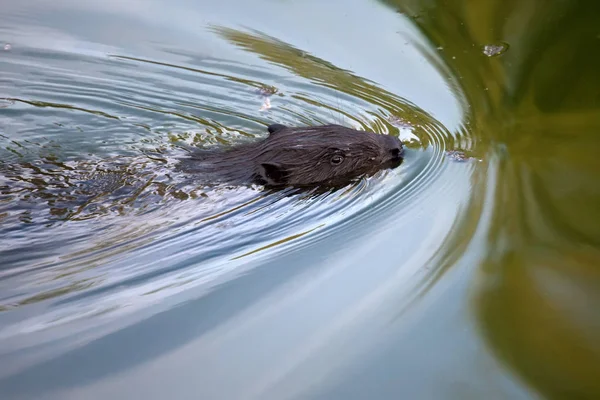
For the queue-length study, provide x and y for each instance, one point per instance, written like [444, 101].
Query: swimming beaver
[325, 156]
[330, 155]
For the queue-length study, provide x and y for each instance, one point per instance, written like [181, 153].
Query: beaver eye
[337, 159]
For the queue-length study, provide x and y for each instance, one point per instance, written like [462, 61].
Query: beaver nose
[393, 146]
[396, 152]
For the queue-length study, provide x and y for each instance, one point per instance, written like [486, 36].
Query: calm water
[472, 271]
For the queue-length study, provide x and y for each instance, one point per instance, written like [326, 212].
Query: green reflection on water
[327, 75]
[536, 107]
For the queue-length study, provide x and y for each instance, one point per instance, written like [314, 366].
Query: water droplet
[266, 105]
[492, 50]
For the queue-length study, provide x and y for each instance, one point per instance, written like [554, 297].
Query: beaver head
[329, 154]
[326, 155]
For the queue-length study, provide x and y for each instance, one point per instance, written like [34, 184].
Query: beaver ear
[274, 173]
[274, 128]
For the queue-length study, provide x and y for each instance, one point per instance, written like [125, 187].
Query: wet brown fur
[304, 156]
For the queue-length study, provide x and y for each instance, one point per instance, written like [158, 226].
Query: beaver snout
[394, 146]
[397, 152]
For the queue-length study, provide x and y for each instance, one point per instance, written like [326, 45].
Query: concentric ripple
[95, 222]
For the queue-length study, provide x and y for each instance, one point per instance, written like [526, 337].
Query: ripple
[116, 246]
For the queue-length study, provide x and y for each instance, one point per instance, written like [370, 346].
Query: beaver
[325, 155]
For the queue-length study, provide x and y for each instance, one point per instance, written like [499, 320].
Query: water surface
[469, 272]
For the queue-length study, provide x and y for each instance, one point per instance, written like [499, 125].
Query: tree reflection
[327, 75]
[536, 105]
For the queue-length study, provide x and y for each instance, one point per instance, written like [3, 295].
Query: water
[471, 271]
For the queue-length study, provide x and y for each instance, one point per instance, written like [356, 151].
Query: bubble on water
[266, 104]
[7, 47]
[267, 90]
[492, 50]
[460, 156]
